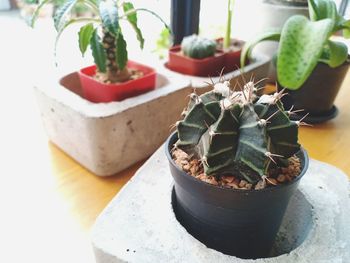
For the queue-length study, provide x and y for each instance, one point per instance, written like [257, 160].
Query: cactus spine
[235, 132]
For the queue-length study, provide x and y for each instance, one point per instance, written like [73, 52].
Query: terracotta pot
[242, 223]
[96, 91]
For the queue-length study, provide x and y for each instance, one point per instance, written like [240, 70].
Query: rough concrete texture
[139, 224]
[108, 137]
[257, 69]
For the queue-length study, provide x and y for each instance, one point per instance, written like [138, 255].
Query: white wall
[5, 5]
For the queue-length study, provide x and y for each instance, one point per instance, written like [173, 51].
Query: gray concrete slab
[139, 224]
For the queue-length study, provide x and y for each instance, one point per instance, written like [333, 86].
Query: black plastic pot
[242, 223]
[318, 93]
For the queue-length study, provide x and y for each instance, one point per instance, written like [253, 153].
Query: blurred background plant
[163, 43]
[28, 7]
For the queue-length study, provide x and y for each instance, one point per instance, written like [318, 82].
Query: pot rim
[177, 48]
[302, 151]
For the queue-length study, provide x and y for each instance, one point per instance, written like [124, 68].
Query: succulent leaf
[322, 9]
[122, 53]
[304, 43]
[37, 11]
[334, 53]
[345, 26]
[61, 16]
[132, 18]
[85, 35]
[109, 15]
[98, 52]
[273, 35]
[300, 48]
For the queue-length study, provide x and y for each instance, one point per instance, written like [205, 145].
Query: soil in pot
[224, 214]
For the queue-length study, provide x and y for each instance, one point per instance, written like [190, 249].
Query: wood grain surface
[49, 202]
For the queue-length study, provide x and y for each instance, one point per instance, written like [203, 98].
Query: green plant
[163, 43]
[303, 43]
[227, 38]
[238, 133]
[197, 47]
[31, 2]
[102, 32]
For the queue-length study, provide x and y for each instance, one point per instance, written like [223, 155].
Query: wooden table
[49, 202]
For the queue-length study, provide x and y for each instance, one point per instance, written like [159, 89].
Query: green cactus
[198, 47]
[235, 132]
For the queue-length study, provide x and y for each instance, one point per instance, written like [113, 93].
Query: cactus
[235, 132]
[198, 47]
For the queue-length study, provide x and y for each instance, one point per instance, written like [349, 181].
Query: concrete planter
[108, 137]
[139, 224]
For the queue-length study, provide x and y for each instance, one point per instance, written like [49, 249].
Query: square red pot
[96, 91]
[205, 67]
[232, 58]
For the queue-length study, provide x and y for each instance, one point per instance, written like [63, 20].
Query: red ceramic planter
[211, 66]
[232, 58]
[205, 67]
[96, 91]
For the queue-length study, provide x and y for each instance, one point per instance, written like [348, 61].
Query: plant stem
[227, 39]
[114, 74]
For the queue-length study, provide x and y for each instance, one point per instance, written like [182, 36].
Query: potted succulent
[236, 161]
[267, 14]
[196, 56]
[97, 135]
[310, 65]
[204, 57]
[113, 77]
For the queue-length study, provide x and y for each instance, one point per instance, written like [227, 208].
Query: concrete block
[139, 224]
[108, 137]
